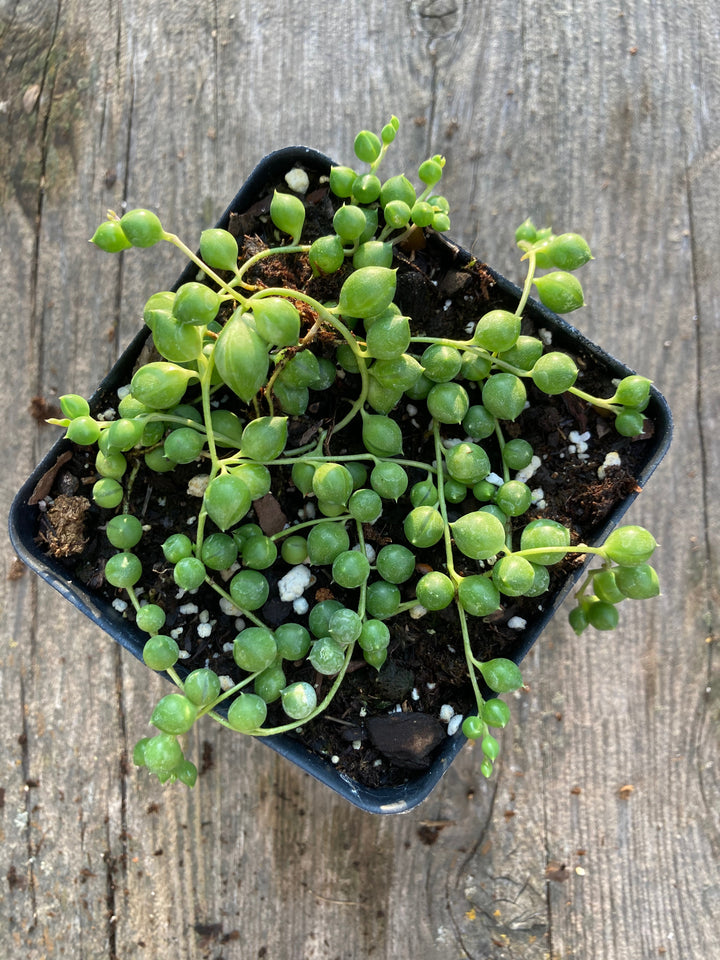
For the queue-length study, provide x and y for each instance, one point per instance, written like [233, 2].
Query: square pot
[24, 514]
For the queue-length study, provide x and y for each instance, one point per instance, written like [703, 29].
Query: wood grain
[599, 837]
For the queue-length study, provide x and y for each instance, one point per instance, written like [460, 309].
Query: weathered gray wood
[587, 115]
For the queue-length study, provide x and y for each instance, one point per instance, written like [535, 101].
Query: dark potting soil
[382, 727]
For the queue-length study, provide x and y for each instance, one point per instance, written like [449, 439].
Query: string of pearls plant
[224, 339]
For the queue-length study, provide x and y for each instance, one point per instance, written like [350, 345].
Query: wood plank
[585, 115]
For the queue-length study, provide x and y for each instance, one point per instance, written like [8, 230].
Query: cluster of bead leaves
[263, 355]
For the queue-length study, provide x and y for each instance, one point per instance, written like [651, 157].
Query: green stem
[322, 458]
[205, 367]
[308, 523]
[129, 485]
[210, 708]
[527, 286]
[247, 614]
[595, 401]
[469, 658]
[501, 443]
[191, 255]
[363, 586]
[329, 317]
[442, 504]
[133, 597]
[261, 255]
[578, 548]
[320, 708]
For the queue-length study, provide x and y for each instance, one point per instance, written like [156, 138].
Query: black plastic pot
[23, 519]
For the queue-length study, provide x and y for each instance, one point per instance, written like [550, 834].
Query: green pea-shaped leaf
[367, 292]
[544, 532]
[467, 462]
[141, 227]
[554, 372]
[302, 370]
[195, 303]
[639, 582]
[277, 321]
[397, 214]
[400, 372]
[479, 535]
[367, 146]
[219, 249]
[341, 181]
[109, 237]
[569, 251]
[73, 406]
[160, 385]
[422, 213]
[174, 714]
[501, 675]
[497, 330]
[560, 291]
[288, 214]
[159, 305]
[326, 255]
[373, 253]
[293, 400]
[526, 231]
[478, 595]
[241, 357]
[629, 545]
[176, 341]
[349, 222]
[381, 436]
[633, 391]
[333, 483]
[389, 337]
[430, 171]
[227, 500]
[264, 438]
[398, 188]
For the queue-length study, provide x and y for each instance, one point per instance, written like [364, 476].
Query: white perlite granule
[529, 471]
[578, 441]
[369, 551]
[294, 584]
[297, 180]
[228, 607]
[537, 498]
[446, 713]
[454, 724]
[198, 485]
[517, 623]
[611, 460]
